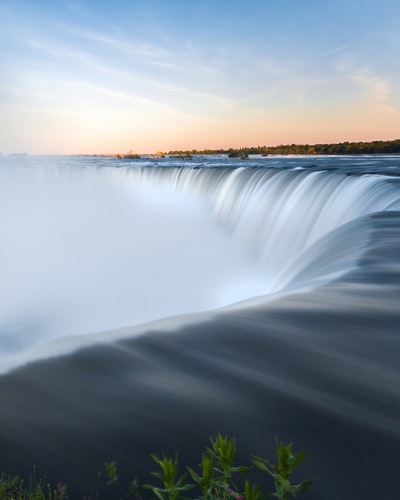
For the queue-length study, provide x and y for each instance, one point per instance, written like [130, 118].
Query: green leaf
[182, 480]
[297, 460]
[159, 494]
[252, 491]
[261, 463]
[194, 475]
[299, 488]
[241, 469]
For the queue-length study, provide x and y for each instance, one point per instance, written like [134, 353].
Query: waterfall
[86, 249]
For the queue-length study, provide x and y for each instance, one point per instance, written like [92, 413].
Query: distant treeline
[342, 148]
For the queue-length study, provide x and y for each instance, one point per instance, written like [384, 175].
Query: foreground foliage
[217, 478]
[15, 488]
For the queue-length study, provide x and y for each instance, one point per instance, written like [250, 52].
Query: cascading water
[276, 285]
[86, 249]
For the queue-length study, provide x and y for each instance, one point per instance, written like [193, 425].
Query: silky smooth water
[85, 250]
[93, 247]
[146, 305]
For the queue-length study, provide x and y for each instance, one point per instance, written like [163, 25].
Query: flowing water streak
[282, 214]
[90, 249]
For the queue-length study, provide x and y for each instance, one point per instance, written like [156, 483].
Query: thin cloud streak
[90, 61]
[149, 54]
[336, 50]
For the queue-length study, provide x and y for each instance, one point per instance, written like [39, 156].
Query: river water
[149, 304]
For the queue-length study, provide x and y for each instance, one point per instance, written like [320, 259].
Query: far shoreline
[318, 149]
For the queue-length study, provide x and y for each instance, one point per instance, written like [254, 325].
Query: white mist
[84, 250]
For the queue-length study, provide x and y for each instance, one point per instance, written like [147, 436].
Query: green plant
[111, 471]
[287, 463]
[217, 470]
[173, 487]
[253, 492]
[15, 488]
[215, 480]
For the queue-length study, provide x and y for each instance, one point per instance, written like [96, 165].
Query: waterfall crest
[86, 249]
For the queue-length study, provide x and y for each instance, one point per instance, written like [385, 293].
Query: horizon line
[202, 151]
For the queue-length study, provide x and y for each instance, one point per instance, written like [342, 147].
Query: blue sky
[142, 75]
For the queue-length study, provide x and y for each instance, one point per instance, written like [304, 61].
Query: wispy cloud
[376, 90]
[181, 61]
[138, 49]
[60, 51]
[336, 50]
[80, 85]
[134, 75]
